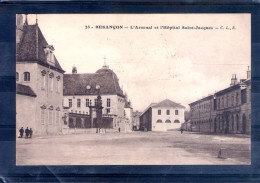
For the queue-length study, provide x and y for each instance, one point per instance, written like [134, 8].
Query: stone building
[39, 81]
[136, 120]
[162, 116]
[227, 111]
[81, 91]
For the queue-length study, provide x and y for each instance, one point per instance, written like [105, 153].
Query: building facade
[162, 116]
[227, 111]
[39, 78]
[81, 91]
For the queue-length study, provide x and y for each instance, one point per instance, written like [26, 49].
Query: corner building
[39, 81]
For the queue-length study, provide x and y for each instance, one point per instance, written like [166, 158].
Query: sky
[182, 65]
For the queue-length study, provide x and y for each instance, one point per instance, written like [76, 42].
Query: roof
[147, 108]
[136, 113]
[75, 84]
[25, 90]
[31, 47]
[202, 100]
[168, 103]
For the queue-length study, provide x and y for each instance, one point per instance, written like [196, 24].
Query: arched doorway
[237, 119]
[232, 123]
[227, 124]
[215, 125]
[244, 124]
[71, 125]
[78, 123]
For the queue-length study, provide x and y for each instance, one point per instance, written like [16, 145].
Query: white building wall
[115, 105]
[25, 112]
[172, 117]
[44, 97]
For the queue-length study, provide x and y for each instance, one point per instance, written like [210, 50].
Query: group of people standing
[28, 132]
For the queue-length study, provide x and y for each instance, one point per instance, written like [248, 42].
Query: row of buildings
[48, 101]
[227, 111]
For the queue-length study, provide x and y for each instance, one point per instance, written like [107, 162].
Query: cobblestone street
[135, 148]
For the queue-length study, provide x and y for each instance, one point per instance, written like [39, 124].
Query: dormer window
[49, 49]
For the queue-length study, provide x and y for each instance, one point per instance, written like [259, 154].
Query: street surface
[134, 148]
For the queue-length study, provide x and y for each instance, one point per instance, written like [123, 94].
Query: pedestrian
[30, 133]
[21, 132]
[181, 130]
[119, 129]
[27, 131]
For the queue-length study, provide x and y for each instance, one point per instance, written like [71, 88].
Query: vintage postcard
[133, 89]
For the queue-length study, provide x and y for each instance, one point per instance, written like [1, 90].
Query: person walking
[181, 130]
[21, 132]
[119, 129]
[30, 133]
[27, 131]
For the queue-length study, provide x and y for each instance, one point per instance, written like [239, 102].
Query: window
[70, 102]
[78, 102]
[87, 102]
[108, 102]
[215, 104]
[232, 100]
[57, 117]
[58, 85]
[95, 102]
[159, 121]
[43, 80]
[237, 95]
[50, 117]
[90, 102]
[51, 83]
[243, 96]
[227, 101]
[168, 112]
[159, 111]
[108, 110]
[176, 121]
[17, 76]
[42, 116]
[176, 112]
[26, 76]
[168, 121]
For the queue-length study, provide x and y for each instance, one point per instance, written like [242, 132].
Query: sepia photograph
[133, 89]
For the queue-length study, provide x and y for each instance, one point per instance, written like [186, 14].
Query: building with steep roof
[162, 116]
[39, 79]
[81, 91]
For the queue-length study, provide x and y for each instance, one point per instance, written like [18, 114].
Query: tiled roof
[151, 105]
[24, 90]
[167, 103]
[76, 84]
[31, 47]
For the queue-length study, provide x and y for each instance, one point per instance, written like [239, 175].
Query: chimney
[233, 80]
[19, 27]
[74, 70]
[248, 73]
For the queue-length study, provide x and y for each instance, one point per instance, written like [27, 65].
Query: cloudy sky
[153, 64]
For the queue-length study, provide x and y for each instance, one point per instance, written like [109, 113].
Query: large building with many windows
[227, 111]
[80, 94]
[162, 116]
[39, 81]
